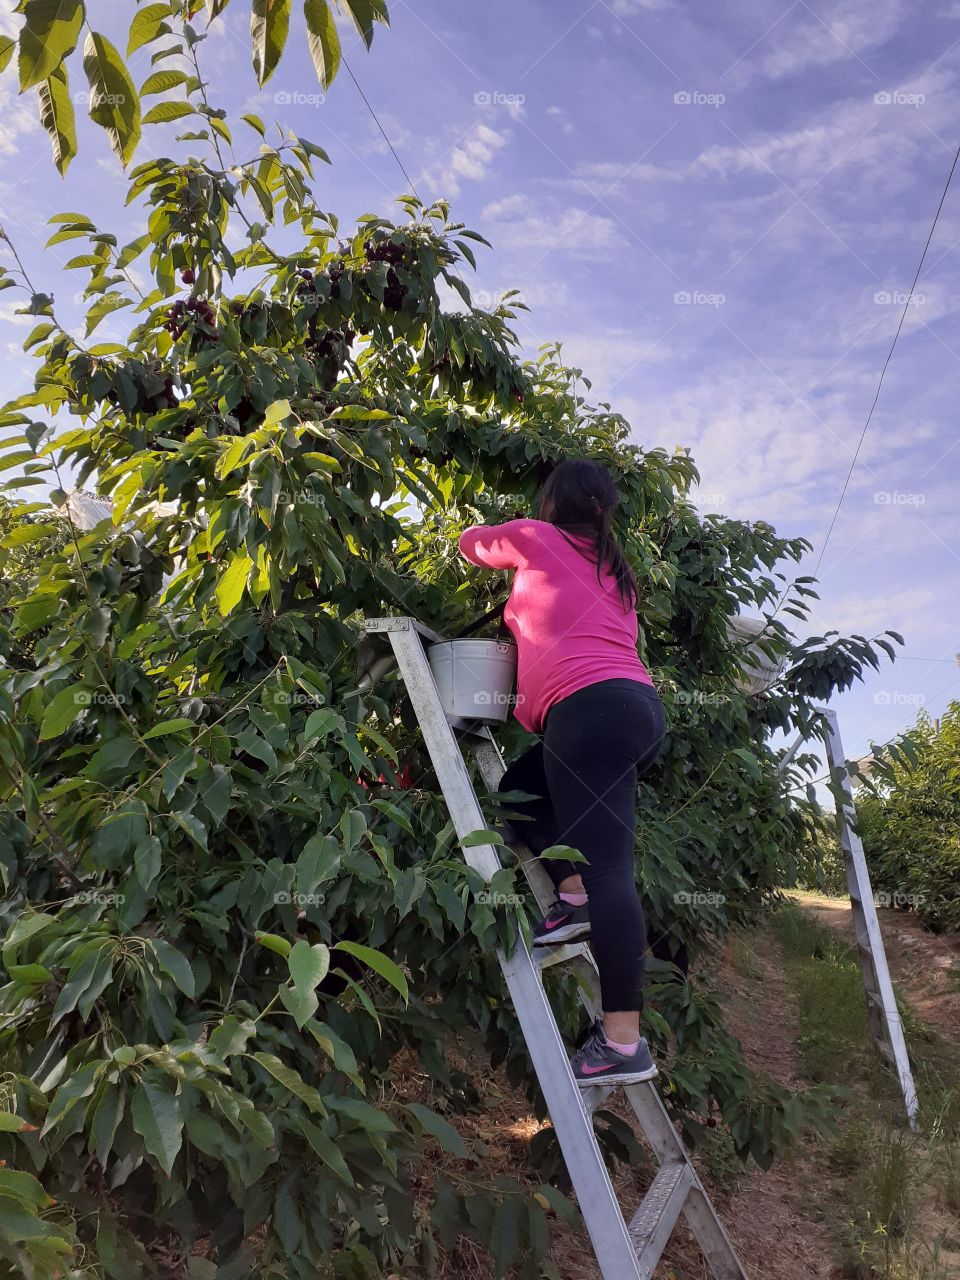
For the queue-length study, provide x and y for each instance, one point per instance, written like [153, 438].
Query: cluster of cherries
[177, 315]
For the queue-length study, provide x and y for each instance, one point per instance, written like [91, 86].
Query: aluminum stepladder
[886, 1026]
[624, 1251]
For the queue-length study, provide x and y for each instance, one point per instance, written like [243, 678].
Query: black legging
[595, 745]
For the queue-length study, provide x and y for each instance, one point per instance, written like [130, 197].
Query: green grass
[833, 1037]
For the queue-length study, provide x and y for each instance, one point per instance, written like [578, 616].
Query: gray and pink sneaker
[599, 1063]
[562, 923]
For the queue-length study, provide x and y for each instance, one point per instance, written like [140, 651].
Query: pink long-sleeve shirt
[571, 629]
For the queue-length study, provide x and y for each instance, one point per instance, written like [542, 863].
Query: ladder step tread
[546, 957]
[652, 1224]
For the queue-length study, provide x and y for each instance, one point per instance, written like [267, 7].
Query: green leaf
[392, 811]
[323, 40]
[80, 1085]
[29, 924]
[364, 13]
[353, 825]
[276, 412]
[233, 455]
[173, 963]
[319, 861]
[269, 24]
[29, 973]
[561, 853]
[360, 413]
[63, 710]
[334, 1047]
[473, 838]
[23, 1186]
[438, 1128]
[505, 1235]
[103, 307]
[231, 1036]
[114, 104]
[168, 726]
[105, 1121]
[301, 1005]
[148, 23]
[232, 583]
[50, 32]
[162, 82]
[327, 1150]
[9, 1123]
[164, 112]
[274, 943]
[146, 861]
[291, 1081]
[7, 46]
[380, 963]
[308, 964]
[159, 1121]
[57, 117]
[320, 723]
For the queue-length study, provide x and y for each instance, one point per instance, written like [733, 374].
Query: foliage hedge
[910, 823]
[225, 918]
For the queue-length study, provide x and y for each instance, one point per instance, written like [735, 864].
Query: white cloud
[18, 114]
[868, 613]
[8, 316]
[470, 160]
[846, 30]
[520, 223]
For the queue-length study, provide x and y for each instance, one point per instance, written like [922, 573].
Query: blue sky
[717, 209]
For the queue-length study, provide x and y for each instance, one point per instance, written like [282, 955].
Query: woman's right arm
[496, 546]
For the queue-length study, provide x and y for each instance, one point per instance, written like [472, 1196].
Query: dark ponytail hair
[579, 497]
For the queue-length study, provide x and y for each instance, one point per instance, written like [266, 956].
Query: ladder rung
[653, 1223]
[593, 1099]
[545, 957]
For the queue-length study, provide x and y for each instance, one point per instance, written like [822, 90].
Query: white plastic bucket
[475, 678]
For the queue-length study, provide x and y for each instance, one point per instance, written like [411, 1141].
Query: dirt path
[770, 1216]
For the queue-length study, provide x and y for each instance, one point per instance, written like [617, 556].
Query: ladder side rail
[866, 908]
[598, 1203]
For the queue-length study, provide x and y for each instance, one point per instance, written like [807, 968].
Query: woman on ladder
[582, 687]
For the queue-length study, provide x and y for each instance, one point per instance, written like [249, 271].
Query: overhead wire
[886, 362]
